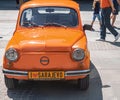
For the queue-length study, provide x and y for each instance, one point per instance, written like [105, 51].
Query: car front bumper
[25, 73]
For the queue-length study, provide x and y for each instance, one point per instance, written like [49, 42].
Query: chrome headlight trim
[11, 54]
[78, 54]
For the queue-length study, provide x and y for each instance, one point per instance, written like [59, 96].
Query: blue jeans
[96, 15]
[105, 15]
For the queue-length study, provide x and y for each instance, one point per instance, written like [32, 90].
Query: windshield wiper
[54, 24]
[31, 24]
[34, 24]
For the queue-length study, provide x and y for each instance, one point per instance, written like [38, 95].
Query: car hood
[47, 39]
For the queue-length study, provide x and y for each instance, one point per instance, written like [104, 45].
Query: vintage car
[49, 43]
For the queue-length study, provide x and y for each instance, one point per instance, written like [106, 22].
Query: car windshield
[49, 16]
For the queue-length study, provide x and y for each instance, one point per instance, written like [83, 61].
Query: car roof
[62, 3]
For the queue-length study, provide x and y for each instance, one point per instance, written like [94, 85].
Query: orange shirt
[104, 3]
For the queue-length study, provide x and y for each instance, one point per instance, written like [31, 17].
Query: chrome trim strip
[77, 72]
[15, 73]
[25, 73]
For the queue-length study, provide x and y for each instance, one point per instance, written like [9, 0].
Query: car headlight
[11, 54]
[78, 54]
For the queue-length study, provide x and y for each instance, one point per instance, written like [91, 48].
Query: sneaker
[100, 39]
[117, 37]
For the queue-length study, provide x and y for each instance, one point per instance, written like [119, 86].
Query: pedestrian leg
[103, 27]
[107, 22]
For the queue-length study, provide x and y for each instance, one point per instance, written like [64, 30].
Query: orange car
[49, 43]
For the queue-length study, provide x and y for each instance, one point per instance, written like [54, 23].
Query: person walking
[114, 14]
[96, 12]
[106, 8]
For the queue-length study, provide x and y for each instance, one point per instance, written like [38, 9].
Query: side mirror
[87, 27]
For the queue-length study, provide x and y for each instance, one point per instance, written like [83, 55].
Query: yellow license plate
[46, 75]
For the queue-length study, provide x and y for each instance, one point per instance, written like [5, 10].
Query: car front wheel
[10, 82]
[83, 84]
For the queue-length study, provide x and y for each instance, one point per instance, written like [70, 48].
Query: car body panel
[48, 48]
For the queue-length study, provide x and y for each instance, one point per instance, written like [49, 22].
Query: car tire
[10, 82]
[83, 84]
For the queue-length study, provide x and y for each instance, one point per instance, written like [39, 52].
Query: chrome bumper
[25, 73]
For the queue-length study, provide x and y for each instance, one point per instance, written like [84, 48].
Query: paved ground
[105, 62]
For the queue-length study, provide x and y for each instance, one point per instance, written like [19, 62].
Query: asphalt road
[105, 64]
